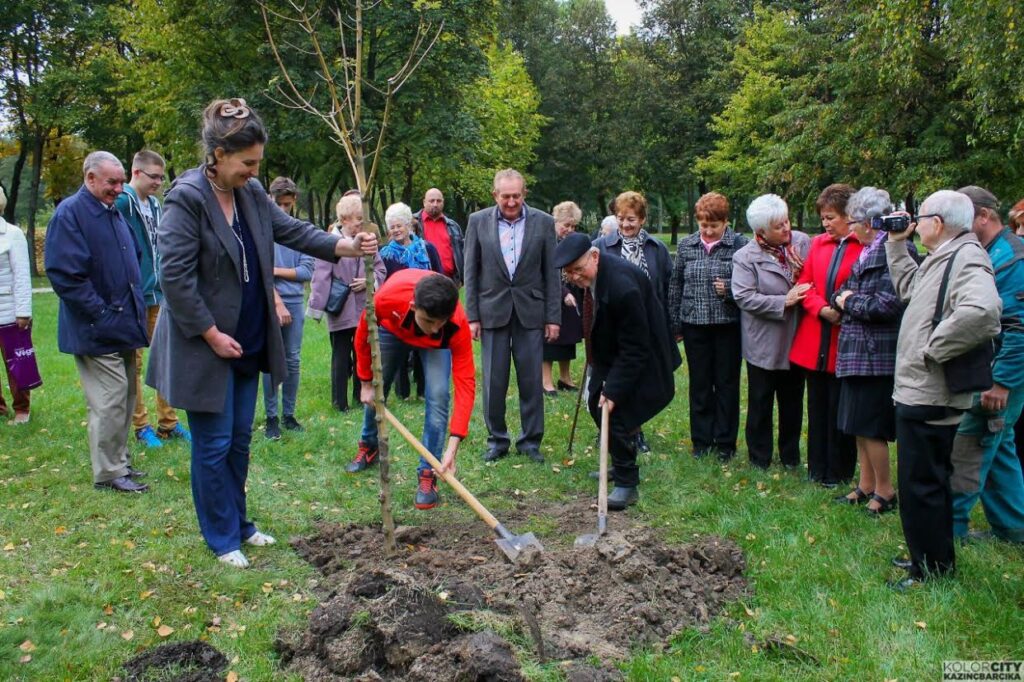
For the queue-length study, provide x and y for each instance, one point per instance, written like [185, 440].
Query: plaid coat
[871, 319]
[691, 292]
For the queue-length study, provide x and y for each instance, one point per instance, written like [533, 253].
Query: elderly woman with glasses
[406, 250]
[866, 357]
[764, 286]
[567, 217]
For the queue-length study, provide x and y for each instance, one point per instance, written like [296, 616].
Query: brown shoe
[123, 484]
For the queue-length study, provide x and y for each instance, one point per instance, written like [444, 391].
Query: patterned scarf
[787, 256]
[414, 256]
[633, 250]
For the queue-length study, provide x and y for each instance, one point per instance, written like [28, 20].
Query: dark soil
[182, 662]
[447, 605]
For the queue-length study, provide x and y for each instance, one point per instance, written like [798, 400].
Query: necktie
[588, 320]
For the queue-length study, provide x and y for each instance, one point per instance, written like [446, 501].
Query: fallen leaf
[921, 624]
[27, 646]
[164, 630]
[101, 625]
[3, 595]
[232, 677]
[60, 530]
[128, 635]
[146, 595]
[157, 621]
[108, 610]
[25, 659]
[267, 588]
[791, 639]
[128, 544]
[9, 547]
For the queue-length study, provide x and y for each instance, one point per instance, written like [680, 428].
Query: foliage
[62, 169]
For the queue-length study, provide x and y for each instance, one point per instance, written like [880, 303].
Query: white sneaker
[259, 539]
[236, 559]
[20, 418]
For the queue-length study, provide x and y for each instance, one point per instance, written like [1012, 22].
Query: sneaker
[289, 423]
[272, 430]
[178, 431]
[236, 559]
[426, 492]
[147, 436]
[259, 539]
[20, 418]
[367, 456]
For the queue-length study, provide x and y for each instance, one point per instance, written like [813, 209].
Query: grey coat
[759, 287]
[201, 279]
[534, 293]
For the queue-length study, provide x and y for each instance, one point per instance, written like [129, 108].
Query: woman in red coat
[831, 454]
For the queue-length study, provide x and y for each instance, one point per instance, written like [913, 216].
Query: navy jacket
[92, 261]
[659, 264]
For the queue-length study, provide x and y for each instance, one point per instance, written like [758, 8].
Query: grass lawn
[90, 578]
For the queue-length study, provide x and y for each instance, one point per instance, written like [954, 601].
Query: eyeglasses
[153, 176]
[919, 218]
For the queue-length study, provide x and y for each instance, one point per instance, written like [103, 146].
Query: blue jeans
[220, 465]
[437, 372]
[1000, 486]
[292, 335]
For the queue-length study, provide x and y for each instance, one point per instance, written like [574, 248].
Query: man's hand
[830, 315]
[551, 332]
[448, 459]
[222, 344]
[283, 316]
[905, 235]
[366, 242]
[604, 400]
[357, 284]
[366, 393]
[474, 330]
[24, 322]
[570, 300]
[797, 294]
[995, 398]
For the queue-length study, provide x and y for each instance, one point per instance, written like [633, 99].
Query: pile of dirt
[194, 661]
[446, 605]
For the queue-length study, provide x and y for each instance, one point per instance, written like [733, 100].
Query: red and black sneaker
[426, 492]
[367, 457]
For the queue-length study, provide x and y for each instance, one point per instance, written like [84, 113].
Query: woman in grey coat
[217, 330]
[763, 276]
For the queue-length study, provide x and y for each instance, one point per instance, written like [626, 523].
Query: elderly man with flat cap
[632, 353]
[985, 463]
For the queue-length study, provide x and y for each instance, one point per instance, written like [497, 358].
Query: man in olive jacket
[633, 356]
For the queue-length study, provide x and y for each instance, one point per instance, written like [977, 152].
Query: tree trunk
[38, 143]
[12, 194]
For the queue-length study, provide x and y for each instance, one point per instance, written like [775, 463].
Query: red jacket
[391, 303]
[816, 341]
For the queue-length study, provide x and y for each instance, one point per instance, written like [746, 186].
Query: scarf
[414, 256]
[633, 250]
[787, 256]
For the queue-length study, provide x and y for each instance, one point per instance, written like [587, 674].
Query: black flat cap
[571, 248]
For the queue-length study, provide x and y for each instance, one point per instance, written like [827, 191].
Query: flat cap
[980, 197]
[571, 248]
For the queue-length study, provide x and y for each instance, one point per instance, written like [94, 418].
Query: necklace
[236, 229]
[217, 187]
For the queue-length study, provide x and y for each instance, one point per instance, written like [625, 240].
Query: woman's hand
[24, 322]
[719, 285]
[830, 315]
[797, 294]
[841, 299]
[358, 284]
[283, 316]
[223, 345]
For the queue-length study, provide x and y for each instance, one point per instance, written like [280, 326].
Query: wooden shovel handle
[450, 479]
[602, 485]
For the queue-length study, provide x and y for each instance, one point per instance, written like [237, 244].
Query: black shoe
[551, 394]
[900, 562]
[534, 455]
[272, 431]
[620, 498]
[763, 466]
[830, 485]
[122, 484]
[135, 473]
[885, 505]
[904, 584]
[493, 455]
[861, 497]
[562, 386]
[725, 455]
[700, 453]
[641, 443]
[366, 456]
[289, 423]
[596, 475]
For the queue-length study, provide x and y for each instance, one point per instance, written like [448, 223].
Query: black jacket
[633, 354]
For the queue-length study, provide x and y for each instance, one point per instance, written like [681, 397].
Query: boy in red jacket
[419, 310]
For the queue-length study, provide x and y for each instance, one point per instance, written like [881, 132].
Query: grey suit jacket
[200, 276]
[534, 294]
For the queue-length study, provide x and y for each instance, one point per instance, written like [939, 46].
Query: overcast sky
[624, 12]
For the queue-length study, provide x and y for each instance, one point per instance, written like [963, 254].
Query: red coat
[816, 341]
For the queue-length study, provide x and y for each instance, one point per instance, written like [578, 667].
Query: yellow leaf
[101, 625]
[60, 530]
[146, 595]
[128, 544]
[9, 547]
[164, 631]
[157, 621]
[921, 624]
[232, 677]
[27, 646]
[791, 639]
[108, 610]
[128, 635]
[3, 595]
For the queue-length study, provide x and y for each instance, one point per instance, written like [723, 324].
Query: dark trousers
[499, 348]
[926, 500]
[621, 445]
[220, 465]
[765, 387]
[713, 362]
[342, 368]
[1019, 430]
[831, 454]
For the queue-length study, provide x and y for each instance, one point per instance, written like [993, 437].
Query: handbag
[969, 372]
[20, 356]
[336, 299]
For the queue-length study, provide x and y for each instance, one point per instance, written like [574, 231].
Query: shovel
[591, 539]
[511, 545]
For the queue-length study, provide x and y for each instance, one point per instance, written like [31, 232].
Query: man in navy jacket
[92, 261]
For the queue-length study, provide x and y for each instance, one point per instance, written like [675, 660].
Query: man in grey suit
[513, 304]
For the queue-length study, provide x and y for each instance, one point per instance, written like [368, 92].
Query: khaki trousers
[109, 388]
[167, 418]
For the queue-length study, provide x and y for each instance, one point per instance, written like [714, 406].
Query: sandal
[884, 505]
[861, 497]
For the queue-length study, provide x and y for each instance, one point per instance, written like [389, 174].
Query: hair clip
[234, 108]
